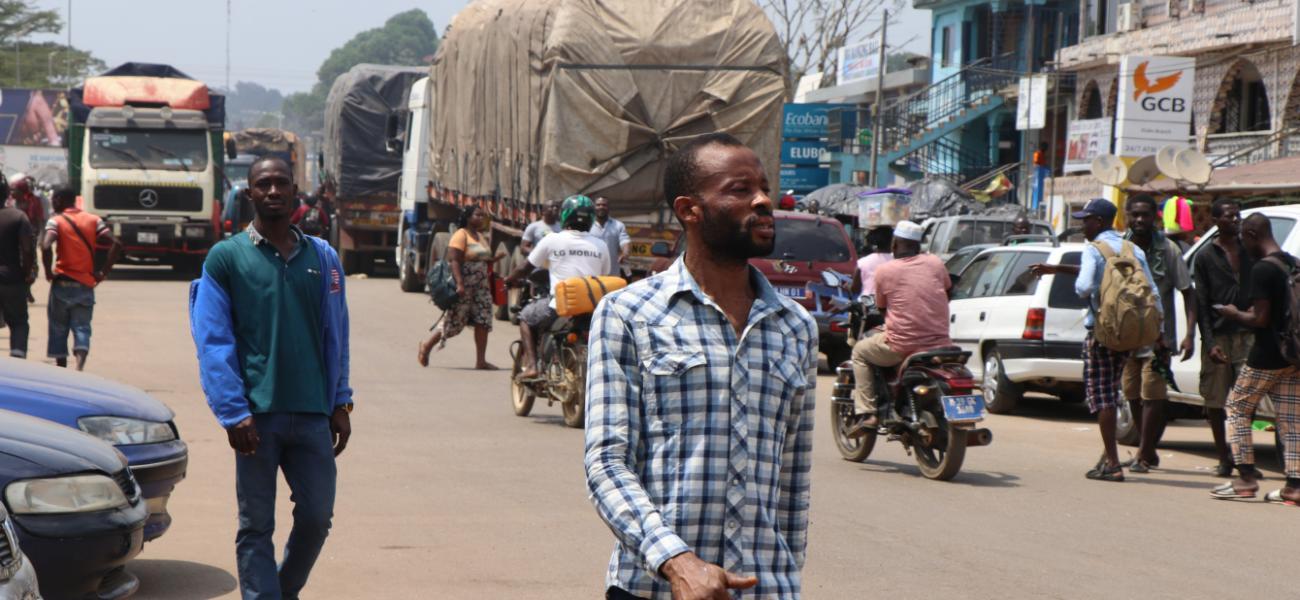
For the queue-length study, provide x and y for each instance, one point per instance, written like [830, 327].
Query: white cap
[908, 231]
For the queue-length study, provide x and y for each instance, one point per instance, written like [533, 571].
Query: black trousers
[615, 593]
[13, 306]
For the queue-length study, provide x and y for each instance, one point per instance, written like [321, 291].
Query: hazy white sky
[277, 43]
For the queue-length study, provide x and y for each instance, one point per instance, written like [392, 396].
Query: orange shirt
[914, 293]
[76, 260]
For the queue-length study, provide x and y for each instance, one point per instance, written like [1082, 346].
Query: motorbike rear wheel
[572, 392]
[852, 449]
[942, 460]
[521, 396]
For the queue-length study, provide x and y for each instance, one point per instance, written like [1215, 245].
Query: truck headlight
[77, 494]
[121, 431]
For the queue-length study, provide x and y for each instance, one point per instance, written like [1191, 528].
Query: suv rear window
[818, 241]
[1062, 293]
[986, 232]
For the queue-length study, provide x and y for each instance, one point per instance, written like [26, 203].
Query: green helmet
[577, 208]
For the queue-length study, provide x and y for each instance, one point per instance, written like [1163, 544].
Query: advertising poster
[1087, 139]
[32, 117]
[1155, 103]
[1031, 106]
[859, 61]
[48, 165]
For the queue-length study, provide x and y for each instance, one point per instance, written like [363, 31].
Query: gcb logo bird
[1141, 84]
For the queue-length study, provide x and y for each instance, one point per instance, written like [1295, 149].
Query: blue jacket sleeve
[343, 386]
[214, 339]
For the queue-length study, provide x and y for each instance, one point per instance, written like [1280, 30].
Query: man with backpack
[1271, 370]
[76, 234]
[1124, 314]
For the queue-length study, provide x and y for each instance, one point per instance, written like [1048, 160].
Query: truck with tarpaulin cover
[530, 101]
[145, 153]
[242, 149]
[357, 159]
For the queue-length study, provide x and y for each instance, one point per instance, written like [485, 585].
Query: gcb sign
[1155, 103]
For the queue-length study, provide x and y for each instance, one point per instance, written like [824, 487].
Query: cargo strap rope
[591, 295]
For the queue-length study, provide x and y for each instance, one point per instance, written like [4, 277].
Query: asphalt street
[444, 493]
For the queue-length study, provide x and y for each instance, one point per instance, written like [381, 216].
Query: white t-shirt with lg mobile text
[569, 254]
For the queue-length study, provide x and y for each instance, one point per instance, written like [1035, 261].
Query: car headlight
[121, 431]
[76, 494]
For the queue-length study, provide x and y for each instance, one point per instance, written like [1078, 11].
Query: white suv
[1024, 333]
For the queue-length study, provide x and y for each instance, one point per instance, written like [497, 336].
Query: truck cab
[409, 134]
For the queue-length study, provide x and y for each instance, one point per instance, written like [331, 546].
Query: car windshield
[816, 241]
[178, 150]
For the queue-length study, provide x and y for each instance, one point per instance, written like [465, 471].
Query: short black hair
[64, 195]
[269, 158]
[1216, 207]
[1147, 199]
[466, 214]
[681, 175]
[1259, 224]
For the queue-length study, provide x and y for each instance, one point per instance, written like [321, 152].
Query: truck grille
[7, 554]
[138, 197]
[125, 481]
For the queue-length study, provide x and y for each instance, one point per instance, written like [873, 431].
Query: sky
[276, 43]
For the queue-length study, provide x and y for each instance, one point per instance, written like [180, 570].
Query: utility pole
[67, 52]
[228, 46]
[1056, 104]
[878, 103]
[1027, 138]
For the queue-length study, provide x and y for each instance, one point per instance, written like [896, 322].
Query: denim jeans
[301, 446]
[70, 308]
[13, 307]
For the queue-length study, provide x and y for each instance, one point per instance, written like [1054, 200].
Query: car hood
[63, 395]
[32, 447]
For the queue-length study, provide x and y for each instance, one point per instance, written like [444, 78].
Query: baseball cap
[909, 231]
[1097, 207]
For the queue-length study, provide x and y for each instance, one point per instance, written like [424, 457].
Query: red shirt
[76, 260]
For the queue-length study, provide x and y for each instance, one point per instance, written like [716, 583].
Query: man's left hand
[341, 428]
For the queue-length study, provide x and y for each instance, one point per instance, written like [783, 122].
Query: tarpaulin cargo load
[356, 119]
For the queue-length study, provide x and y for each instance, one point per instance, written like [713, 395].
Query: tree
[38, 65]
[813, 31]
[406, 39]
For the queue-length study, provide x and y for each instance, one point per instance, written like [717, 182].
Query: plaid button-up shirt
[698, 439]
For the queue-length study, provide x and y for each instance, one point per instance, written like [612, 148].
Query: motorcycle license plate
[792, 292]
[963, 409]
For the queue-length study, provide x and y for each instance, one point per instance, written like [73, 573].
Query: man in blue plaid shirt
[700, 401]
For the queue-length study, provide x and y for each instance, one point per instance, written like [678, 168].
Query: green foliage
[406, 39]
[43, 65]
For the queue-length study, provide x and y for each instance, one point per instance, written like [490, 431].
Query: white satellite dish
[1109, 169]
[1193, 166]
[1166, 164]
[1143, 171]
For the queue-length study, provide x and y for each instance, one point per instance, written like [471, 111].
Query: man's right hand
[243, 437]
[1042, 269]
[694, 579]
[1218, 355]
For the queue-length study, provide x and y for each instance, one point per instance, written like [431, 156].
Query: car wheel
[1000, 394]
[1126, 429]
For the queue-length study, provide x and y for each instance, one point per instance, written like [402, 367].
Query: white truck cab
[412, 236]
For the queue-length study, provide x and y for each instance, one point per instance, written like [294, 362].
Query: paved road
[445, 494]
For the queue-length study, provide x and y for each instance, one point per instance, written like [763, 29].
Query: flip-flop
[1227, 492]
[1275, 497]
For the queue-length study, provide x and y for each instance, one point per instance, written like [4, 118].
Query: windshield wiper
[179, 160]
[128, 154]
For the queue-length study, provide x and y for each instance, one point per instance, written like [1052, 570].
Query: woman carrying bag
[471, 265]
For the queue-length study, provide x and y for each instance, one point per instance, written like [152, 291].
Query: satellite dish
[1166, 164]
[1193, 166]
[1143, 171]
[1109, 169]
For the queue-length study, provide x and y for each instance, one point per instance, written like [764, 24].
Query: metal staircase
[914, 130]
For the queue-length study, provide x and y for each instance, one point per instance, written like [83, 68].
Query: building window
[945, 46]
[1246, 106]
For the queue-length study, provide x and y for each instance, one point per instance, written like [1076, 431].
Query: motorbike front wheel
[941, 459]
[852, 449]
[521, 396]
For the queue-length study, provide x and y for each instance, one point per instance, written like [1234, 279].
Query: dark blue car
[134, 422]
[74, 506]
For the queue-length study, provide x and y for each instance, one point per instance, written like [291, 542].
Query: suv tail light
[1034, 324]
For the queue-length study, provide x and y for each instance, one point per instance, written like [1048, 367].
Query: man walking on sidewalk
[1144, 385]
[1222, 275]
[270, 322]
[1267, 372]
[17, 272]
[700, 401]
[77, 235]
[614, 233]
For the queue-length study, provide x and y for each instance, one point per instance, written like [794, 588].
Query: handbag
[442, 285]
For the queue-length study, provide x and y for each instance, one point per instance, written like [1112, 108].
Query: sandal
[1228, 491]
[1104, 473]
[1138, 465]
[1275, 497]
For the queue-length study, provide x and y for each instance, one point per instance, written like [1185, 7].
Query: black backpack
[442, 285]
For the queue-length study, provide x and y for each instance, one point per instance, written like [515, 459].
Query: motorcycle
[926, 403]
[562, 362]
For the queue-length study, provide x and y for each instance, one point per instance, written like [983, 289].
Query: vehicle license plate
[963, 409]
[147, 237]
[792, 292]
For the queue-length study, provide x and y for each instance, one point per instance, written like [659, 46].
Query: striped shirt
[697, 439]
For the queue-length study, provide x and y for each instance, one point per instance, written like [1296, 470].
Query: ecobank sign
[808, 121]
[1155, 107]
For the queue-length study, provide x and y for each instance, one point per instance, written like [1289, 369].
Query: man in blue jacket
[270, 321]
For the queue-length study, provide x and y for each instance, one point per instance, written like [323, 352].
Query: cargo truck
[245, 146]
[356, 158]
[145, 153]
[535, 100]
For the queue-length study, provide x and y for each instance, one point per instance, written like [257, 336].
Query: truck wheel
[408, 278]
[1000, 394]
[351, 265]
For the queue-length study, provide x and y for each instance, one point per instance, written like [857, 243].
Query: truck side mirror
[391, 133]
[231, 150]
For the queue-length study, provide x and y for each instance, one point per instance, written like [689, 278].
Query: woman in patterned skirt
[471, 265]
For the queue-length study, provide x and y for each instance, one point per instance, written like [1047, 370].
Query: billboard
[33, 117]
[1155, 103]
[808, 121]
[45, 163]
[1087, 139]
[804, 179]
[1031, 105]
[802, 152]
[859, 61]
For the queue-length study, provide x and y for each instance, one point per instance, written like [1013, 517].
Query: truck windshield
[185, 150]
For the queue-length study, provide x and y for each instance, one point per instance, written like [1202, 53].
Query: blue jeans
[70, 308]
[300, 445]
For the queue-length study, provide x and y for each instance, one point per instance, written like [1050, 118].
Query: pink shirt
[914, 292]
[867, 266]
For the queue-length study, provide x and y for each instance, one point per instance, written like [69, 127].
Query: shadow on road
[971, 478]
[143, 273]
[181, 579]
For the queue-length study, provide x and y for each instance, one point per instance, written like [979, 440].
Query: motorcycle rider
[573, 252]
[912, 291]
